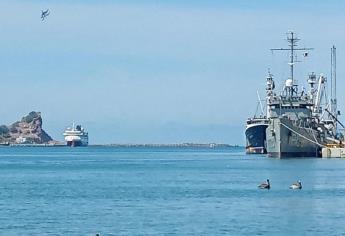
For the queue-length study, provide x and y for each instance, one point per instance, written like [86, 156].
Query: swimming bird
[297, 185]
[265, 185]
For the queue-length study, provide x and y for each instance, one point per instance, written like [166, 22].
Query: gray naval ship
[299, 125]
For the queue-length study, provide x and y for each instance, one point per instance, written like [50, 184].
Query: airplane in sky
[45, 14]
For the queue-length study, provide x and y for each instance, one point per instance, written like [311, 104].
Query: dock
[333, 152]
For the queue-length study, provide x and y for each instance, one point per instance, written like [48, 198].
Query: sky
[154, 71]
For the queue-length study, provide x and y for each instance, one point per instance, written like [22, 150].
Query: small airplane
[45, 14]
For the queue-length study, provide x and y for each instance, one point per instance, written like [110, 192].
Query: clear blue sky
[155, 71]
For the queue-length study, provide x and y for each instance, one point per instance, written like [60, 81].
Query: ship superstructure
[76, 136]
[298, 124]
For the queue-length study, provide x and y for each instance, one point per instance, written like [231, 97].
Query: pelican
[265, 185]
[297, 185]
[45, 14]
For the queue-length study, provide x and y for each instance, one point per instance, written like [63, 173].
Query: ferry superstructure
[76, 136]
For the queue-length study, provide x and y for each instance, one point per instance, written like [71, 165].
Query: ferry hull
[286, 140]
[76, 144]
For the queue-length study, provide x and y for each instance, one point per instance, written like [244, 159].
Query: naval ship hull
[285, 139]
[256, 139]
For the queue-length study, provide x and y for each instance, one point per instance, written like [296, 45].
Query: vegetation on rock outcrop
[27, 130]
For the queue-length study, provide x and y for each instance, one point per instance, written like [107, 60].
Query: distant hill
[27, 130]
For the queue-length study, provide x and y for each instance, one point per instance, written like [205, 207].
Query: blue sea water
[142, 191]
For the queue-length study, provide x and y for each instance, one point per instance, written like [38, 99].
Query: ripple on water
[54, 191]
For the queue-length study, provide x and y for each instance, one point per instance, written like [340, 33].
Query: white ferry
[76, 136]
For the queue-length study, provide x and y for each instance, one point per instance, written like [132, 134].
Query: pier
[333, 152]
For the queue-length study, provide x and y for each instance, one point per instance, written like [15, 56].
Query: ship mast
[292, 43]
[334, 84]
[292, 40]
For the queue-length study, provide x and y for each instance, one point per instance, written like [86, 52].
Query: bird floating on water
[265, 185]
[297, 185]
[45, 14]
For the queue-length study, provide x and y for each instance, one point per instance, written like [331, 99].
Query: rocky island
[26, 131]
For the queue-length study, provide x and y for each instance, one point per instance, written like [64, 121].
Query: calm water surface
[113, 191]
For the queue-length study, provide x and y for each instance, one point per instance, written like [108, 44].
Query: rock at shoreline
[27, 130]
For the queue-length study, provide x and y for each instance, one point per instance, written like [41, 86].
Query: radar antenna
[292, 40]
